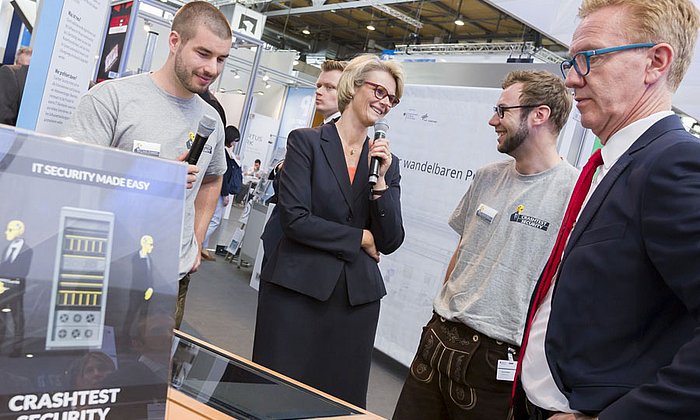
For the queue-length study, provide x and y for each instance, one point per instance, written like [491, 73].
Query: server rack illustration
[81, 277]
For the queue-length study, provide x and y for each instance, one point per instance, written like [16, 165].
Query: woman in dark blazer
[318, 304]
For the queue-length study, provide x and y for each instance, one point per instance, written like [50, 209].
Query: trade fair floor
[221, 308]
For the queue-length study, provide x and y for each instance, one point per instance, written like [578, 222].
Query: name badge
[146, 148]
[486, 212]
[506, 370]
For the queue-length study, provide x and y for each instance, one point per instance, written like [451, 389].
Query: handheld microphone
[380, 129]
[206, 126]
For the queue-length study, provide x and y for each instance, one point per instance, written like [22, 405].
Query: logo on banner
[519, 217]
[414, 115]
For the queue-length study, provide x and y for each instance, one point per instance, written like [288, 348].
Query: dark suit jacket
[19, 268]
[322, 216]
[15, 270]
[141, 276]
[12, 79]
[623, 336]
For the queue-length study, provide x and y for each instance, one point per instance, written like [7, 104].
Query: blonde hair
[331, 65]
[543, 88]
[355, 75]
[675, 22]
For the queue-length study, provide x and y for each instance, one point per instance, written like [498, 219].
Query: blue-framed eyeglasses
[581, 62]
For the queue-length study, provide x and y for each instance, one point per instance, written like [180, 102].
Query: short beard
[512, 142]
[185, 76]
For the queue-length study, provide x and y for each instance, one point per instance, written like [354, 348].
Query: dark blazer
[141, 275]
[19, 268]
[12, 80]
[322, 217]
[623, 337]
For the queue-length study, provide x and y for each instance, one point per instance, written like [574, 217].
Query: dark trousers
[12, 298]
[453, 376]
[183, 285]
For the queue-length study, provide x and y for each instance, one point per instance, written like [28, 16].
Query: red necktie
[583, 184]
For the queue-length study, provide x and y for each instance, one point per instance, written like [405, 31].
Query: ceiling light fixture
[265, 77]
[267, 86]
[306, 31]
[459, 21]
[371, 27]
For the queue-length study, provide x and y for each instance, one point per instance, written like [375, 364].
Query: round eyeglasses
[380, 92]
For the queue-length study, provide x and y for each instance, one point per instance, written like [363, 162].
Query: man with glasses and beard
[158, 114]
[508, 221]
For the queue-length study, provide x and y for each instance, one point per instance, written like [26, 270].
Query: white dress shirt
[13, 250]
[536, 377]
[331, 117]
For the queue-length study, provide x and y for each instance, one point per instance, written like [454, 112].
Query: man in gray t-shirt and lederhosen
[508, 221]
[158, 113]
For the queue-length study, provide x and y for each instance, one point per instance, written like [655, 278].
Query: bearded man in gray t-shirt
[158, 113]
[508, 221]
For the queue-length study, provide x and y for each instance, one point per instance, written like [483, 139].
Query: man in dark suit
[12, 79]
[14, 267]
[616, 337]
[141, 290]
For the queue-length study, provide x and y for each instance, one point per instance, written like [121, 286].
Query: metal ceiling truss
[333, 6]
[513, 48]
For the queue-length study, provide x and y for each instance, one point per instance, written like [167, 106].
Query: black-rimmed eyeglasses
[581, 62]
[500, 110]
[380, 92]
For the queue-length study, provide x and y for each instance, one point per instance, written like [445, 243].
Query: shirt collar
[623, 139]
[331, 117]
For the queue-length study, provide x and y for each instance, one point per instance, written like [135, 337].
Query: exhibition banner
[113, 58]
[258, 141]
[65, 48]
[441, 136]
[88, 278]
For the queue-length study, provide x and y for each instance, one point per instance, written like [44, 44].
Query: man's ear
[174, 41]
[540, 115]
[660, 59]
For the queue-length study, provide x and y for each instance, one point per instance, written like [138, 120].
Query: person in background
[254, 171]
[162, 111]
[327, 106]
[12, 81]
[615, 331]
[23, 56]
[320, 290]
[508, 221]
[327, 89]
[230, 186]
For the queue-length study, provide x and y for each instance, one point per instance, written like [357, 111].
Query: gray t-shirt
[136, 115]
[501, 254]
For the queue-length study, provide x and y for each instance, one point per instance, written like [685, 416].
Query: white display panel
[442, 136]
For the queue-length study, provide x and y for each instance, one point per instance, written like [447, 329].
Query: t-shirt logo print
[519, 217]
[207, 148]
